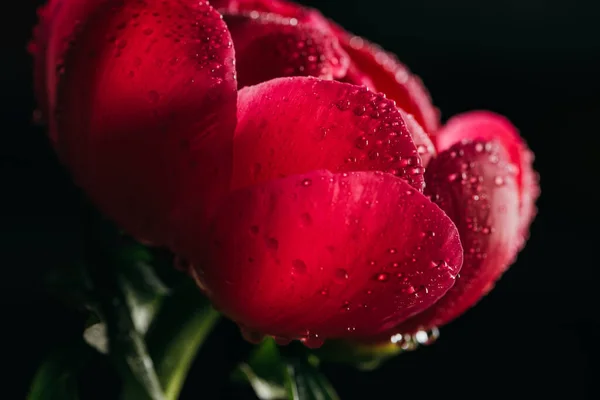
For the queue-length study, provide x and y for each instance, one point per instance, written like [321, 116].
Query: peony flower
[300, 169]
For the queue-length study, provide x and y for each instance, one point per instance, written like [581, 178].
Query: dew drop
[499, 181]
[313, 341]
[341, 274]
[382, 277]
[306, 182]
[392, 251]
[361, 142]
[422, 149]
[409, 289]
[427, 337]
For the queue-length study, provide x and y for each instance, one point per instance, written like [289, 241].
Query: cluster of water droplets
[410, 342]
[195, 28]
[384, 143]
[300, 49]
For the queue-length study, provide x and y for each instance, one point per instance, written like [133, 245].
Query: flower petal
[268, 46]
[391, 77]
[282, 8]
[474, 184]
[147, 110]
[294, 125]
[425, 146]
[486, 125]
[327, 255]
[58, 22]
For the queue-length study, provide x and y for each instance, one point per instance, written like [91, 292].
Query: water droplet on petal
[382, 277]
[341, 274]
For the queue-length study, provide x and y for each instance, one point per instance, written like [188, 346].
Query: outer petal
[328, 255]
[425, 146]
[148, 110]
[474, 184]
[287, 9]
[391, 77]
[269, 46]
[490, 126]
[58, 23]
[294, 125]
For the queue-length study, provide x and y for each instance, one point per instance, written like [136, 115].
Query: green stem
[183, 323]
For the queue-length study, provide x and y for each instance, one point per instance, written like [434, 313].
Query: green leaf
[125, 294]
[274, 375]
[56, 379]
[362, 356]
[305, 382]
[185, 320]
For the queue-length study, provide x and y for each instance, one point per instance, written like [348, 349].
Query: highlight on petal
[474, 184]
[147, 111]
[323, 255]
[293, 125]
[287, 9]
[269, 46]
[391, 77]
[487, 125]
[425, 146]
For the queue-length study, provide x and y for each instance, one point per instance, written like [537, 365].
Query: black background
[536, 334]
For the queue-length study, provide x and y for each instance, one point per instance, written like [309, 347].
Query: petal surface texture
[474, 184]
[490, 126]
[331, 255]
[147, 110]
[294, 125]
[270, 46]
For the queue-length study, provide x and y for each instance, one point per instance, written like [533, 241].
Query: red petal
[474, 184]
[268, 47]
[148, 110]
[425, 147]
[287, 9]
[356, 77]
[486, 125]
[58, 22]
[391, 77]
[295, 125]
[327, 255]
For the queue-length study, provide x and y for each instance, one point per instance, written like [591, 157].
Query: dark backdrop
[536, 334]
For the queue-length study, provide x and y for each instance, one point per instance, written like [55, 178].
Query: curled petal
[474, 184]
[269, 46]
[486, 125]
[425, 146]
[391, 77]
[294, 125]
[327, 255]
[287, 9]
[147, 110]
[356, 77]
